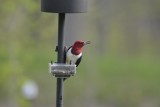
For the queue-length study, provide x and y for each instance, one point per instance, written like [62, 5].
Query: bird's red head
[77, 46]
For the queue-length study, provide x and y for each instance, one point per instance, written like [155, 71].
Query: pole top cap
[64, 6]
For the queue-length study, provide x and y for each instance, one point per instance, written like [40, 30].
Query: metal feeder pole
[60, 57]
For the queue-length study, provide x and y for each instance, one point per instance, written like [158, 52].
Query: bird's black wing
[78, 61]
[65, 53]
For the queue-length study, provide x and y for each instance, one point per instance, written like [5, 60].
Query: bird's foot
[56, 49]
[65, 48]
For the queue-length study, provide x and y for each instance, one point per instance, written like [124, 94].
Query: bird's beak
[86, 43]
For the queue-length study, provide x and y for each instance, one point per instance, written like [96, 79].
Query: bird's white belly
[71, 58]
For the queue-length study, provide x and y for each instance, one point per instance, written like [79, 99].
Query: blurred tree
[25, 34]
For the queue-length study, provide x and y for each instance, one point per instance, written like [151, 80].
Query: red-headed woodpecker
[73, 54]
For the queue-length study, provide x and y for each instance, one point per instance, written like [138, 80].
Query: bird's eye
[81, 43]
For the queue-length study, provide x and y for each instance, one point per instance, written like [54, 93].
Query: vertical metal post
[60, 56]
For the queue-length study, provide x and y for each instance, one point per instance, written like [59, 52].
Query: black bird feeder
[59, 69]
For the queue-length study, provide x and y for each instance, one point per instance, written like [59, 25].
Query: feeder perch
[62, 70]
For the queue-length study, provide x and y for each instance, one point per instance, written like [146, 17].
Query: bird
[73, 54]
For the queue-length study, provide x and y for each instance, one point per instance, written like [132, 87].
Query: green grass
[118, 81]
[127, 81]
